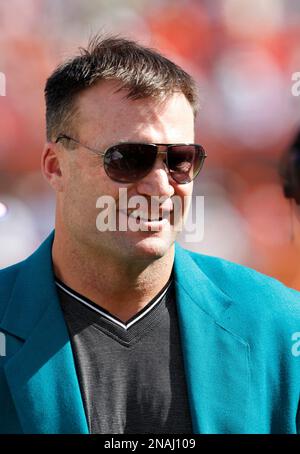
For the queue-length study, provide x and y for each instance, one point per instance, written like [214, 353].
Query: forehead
[105, 110]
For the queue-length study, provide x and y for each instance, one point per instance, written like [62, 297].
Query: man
[120, 330]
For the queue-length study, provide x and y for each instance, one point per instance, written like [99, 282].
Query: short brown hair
[142, 71]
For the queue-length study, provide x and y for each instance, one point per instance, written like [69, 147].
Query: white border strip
[109, 317]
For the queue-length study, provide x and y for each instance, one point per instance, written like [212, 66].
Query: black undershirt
[131, 375]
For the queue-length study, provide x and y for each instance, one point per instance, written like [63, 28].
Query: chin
[134, 246]
[154, 247]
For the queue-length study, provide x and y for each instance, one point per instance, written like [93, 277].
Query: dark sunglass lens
[184, 162]
[129, 162]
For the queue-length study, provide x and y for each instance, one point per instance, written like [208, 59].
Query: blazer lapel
[42, 376]
[216, 359]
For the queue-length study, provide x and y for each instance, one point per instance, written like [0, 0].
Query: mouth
[147, 223]
[162, 217]
[144, 218]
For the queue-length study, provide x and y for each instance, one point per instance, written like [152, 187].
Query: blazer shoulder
[247, 286]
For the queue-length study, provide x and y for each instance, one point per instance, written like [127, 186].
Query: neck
[121, 286]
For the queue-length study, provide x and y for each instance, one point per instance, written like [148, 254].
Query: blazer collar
[33, 292]
[35, 289]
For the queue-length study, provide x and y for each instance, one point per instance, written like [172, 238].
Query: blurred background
[242, 54]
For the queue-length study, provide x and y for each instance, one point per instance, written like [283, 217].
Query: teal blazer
[236, 328]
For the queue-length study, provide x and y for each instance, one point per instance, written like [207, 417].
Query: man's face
[106, 118]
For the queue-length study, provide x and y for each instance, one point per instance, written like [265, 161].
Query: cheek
[84, 189]
[182, 200]
[184, 193]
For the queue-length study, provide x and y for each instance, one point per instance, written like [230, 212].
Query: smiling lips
[162, 212]
[143, 217]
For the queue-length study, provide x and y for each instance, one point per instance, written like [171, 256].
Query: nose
[158, 181]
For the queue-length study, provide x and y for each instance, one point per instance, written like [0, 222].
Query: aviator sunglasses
[130, 162]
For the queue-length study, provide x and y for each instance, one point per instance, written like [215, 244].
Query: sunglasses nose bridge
[160, 163]
[162, 150]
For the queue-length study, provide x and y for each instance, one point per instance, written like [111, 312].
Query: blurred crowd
[242, 54]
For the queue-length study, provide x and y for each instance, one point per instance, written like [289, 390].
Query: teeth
[137, 216]
[150, 220]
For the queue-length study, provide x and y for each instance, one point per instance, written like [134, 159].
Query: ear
[51, 165]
